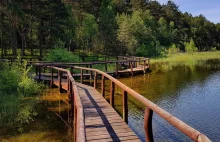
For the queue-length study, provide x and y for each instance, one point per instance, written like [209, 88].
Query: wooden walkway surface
[102, 122]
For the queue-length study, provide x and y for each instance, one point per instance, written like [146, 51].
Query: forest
[107, 27]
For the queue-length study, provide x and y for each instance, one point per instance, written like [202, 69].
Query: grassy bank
[197, 59]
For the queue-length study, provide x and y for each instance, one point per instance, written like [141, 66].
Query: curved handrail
[80, 118]
[183, 127]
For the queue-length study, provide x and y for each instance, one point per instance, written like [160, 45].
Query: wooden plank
[102, 122]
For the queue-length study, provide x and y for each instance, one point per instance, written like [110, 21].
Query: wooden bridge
[93, 118]
[122, 66]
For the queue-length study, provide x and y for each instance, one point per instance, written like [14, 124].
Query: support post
[125, 106]
[39, 69]
[72, 104]
[95, 80]
[60, 81]
[71, 70]
[36, 70]
[144, 66]
[90, 74]
[103, 86]
[116, 72]
[148, 124]
[75, 123]
[51, 81]
[68, 84]
[112, 92]
[106, 67]
[81, 76]
[131, 68]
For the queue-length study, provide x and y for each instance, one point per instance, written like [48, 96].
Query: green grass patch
[205, 59]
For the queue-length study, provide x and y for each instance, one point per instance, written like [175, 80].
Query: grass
[205, 59]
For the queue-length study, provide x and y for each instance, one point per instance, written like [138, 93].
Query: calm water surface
[192, 96]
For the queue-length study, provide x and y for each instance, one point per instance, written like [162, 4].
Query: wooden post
[125, 106]
[60, 81]
[106, 67]
[112, 92]
[81, 76]
[75, 122]
[95, 80]
[148, 124]
[87, 66]
[72, 103]
[116, 72]
[39, 73]
[68, 84]
[36, 70]
[71, 70]
[144, 66]
[103, 86]
[90, 74]
[131, 68]
[51, 81]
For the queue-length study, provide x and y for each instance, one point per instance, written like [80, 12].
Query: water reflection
[48, 125]
[190, 95]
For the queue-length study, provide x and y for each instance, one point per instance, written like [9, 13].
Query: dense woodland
[109, 27]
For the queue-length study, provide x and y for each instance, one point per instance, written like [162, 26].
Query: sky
[209, 8]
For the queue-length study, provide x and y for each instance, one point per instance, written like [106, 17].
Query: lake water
[191, 95]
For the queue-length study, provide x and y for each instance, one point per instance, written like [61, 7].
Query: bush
[213, 49]
[190, 47]
[61, 55]
[15, 85]
[173, 49]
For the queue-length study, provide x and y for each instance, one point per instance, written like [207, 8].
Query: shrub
[190, 47]
[61, 55]
[15, 85]
[173, 49]
[213, 49]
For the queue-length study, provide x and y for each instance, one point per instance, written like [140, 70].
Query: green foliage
[213, 49]
[59, 54]
[173, 49]
[110, 27]
[15, 86]
[209, 60]
[190, 47]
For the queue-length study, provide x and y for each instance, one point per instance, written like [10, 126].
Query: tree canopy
[110, 27]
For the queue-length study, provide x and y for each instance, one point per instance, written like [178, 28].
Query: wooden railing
[149, 110]
[78, 125]
[144, 62]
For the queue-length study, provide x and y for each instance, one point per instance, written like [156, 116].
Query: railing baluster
[51, 82]
[95, 80]
[116, 72]
[60, 80]
[112, 92]
[39, 72]
[144, 69]
[103, 86]
[75, 122]
[131, 65]
[148, 124]
[81, 76]
[125, 106]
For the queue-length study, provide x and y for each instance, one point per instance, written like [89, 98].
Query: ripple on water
[192, 96]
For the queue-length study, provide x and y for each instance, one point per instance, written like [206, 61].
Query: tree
[87, 30]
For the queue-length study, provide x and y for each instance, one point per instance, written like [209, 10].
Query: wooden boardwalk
[94, 119]
[102, 122]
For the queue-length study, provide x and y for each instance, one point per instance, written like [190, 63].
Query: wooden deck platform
[102, 122]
